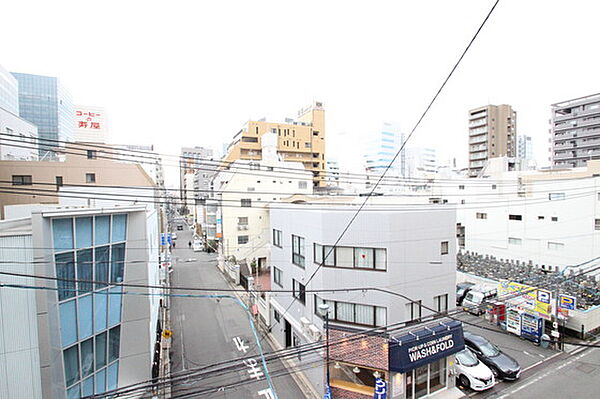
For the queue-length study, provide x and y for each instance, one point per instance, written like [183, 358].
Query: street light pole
[324, 312]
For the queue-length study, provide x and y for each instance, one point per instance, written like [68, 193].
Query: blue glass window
[114, 337]
[83, 231]
[101, 381]
[100, 350]
[119, 228]
[71, 360]
[100, 311]
[87, 357]
[62, 233]
[102, 230]
[114, 308]
[73, 392]
[102, 265]
[65, 269]
[117, 266]
[68, 323]
[113, 374]
[86, 315]
[87, 386]
[84, 270]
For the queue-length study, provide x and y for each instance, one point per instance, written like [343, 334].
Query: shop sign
[526, 297]
[567, 302]
[423, 346]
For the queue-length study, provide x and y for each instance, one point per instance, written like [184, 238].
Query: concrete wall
[22, 145]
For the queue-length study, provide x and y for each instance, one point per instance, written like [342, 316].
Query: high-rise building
[492, 133]
[381, 149]
[192, 160]
[90, 124]
[575, 131]
[45, 102]
[419, 162]
[332, 169]
[9, 92]
[525, 150]
[301, 140]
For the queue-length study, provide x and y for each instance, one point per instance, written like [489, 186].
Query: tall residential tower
[575, 131]
[492, 133]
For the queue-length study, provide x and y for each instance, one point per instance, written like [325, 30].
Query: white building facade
[393, 248]
[91, 124]
[18, 138]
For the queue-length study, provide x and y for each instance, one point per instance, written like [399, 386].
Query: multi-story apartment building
[9, 92]
[420, 162]
[525, 149]
[301, 140]
[18, 138]
[492, 133]
[39, 182]
[68, 339]
[575, 131]
[382, 248]
[45, 102]
[381, 149]
[194, 159]
[244, 193]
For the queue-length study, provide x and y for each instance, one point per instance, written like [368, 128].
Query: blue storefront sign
[162, 239]
[422, 346]
[327, 392]
[380, 389]
[170, 238]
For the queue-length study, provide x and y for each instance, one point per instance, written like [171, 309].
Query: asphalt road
[205, 333]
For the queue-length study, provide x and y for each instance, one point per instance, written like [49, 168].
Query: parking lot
[526, 353]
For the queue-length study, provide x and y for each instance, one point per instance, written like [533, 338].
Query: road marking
[527, 353]
[540, 362]
[546, 374]
[542, 356]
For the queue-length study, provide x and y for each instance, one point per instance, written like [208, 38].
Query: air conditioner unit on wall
[314, 332]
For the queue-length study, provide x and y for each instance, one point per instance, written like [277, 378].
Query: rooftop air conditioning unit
[315, 333]
[304, 321]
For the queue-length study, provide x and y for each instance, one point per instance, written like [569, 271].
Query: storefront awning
[423, 345]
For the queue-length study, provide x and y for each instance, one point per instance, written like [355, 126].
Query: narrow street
[205, 330]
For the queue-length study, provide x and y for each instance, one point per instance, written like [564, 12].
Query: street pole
[327, 343]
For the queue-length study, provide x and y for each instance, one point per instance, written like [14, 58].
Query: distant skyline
[191, 74]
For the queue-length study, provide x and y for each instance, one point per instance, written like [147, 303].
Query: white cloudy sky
[184, 73]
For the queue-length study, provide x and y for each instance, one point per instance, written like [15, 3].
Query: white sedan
[472, 373]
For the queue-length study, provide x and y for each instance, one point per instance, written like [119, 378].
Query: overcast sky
[185, 73]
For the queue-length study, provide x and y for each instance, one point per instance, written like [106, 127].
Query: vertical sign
[380, 389]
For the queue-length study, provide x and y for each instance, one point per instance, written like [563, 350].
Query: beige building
[492, 133]
[48, 176]
[301, 140]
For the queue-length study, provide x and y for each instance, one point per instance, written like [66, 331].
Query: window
[65, 269]
[84, 270]
[481, 215]
[117, 263]
[114, 337]
[243, 222]
[514, 241]
[21, 180]
[353, 313]
[461, 187]
[493, 186]
[556, 196]
[344, 375]
[86, 315]
[276, 316]
[413, 310]
[277, 238]
[114, 306]
[555, 246]
[68, 322]
[444, 248]
[101, 265]
[540, 218]
[242, 240]
[87, 357]
[71, 361]
[100, 350]
[351, 257]
[246, 202]
[59, 182]
[554, 218]
[440, 303]
[302, 184]
[91, 154]
[119, 228]
[90, 178]
[277, 274]
[62, 234]
[596, 224]
[299, 291]
[102, 230]
[298, 251]
[515, 217]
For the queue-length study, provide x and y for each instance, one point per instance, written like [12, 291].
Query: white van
[197, 245]
[475, 299]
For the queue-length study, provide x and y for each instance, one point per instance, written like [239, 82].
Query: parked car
[503, 366]
[476, 298]
[471, 373]
[461, 291]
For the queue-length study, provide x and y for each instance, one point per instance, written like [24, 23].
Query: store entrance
[426, 380]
